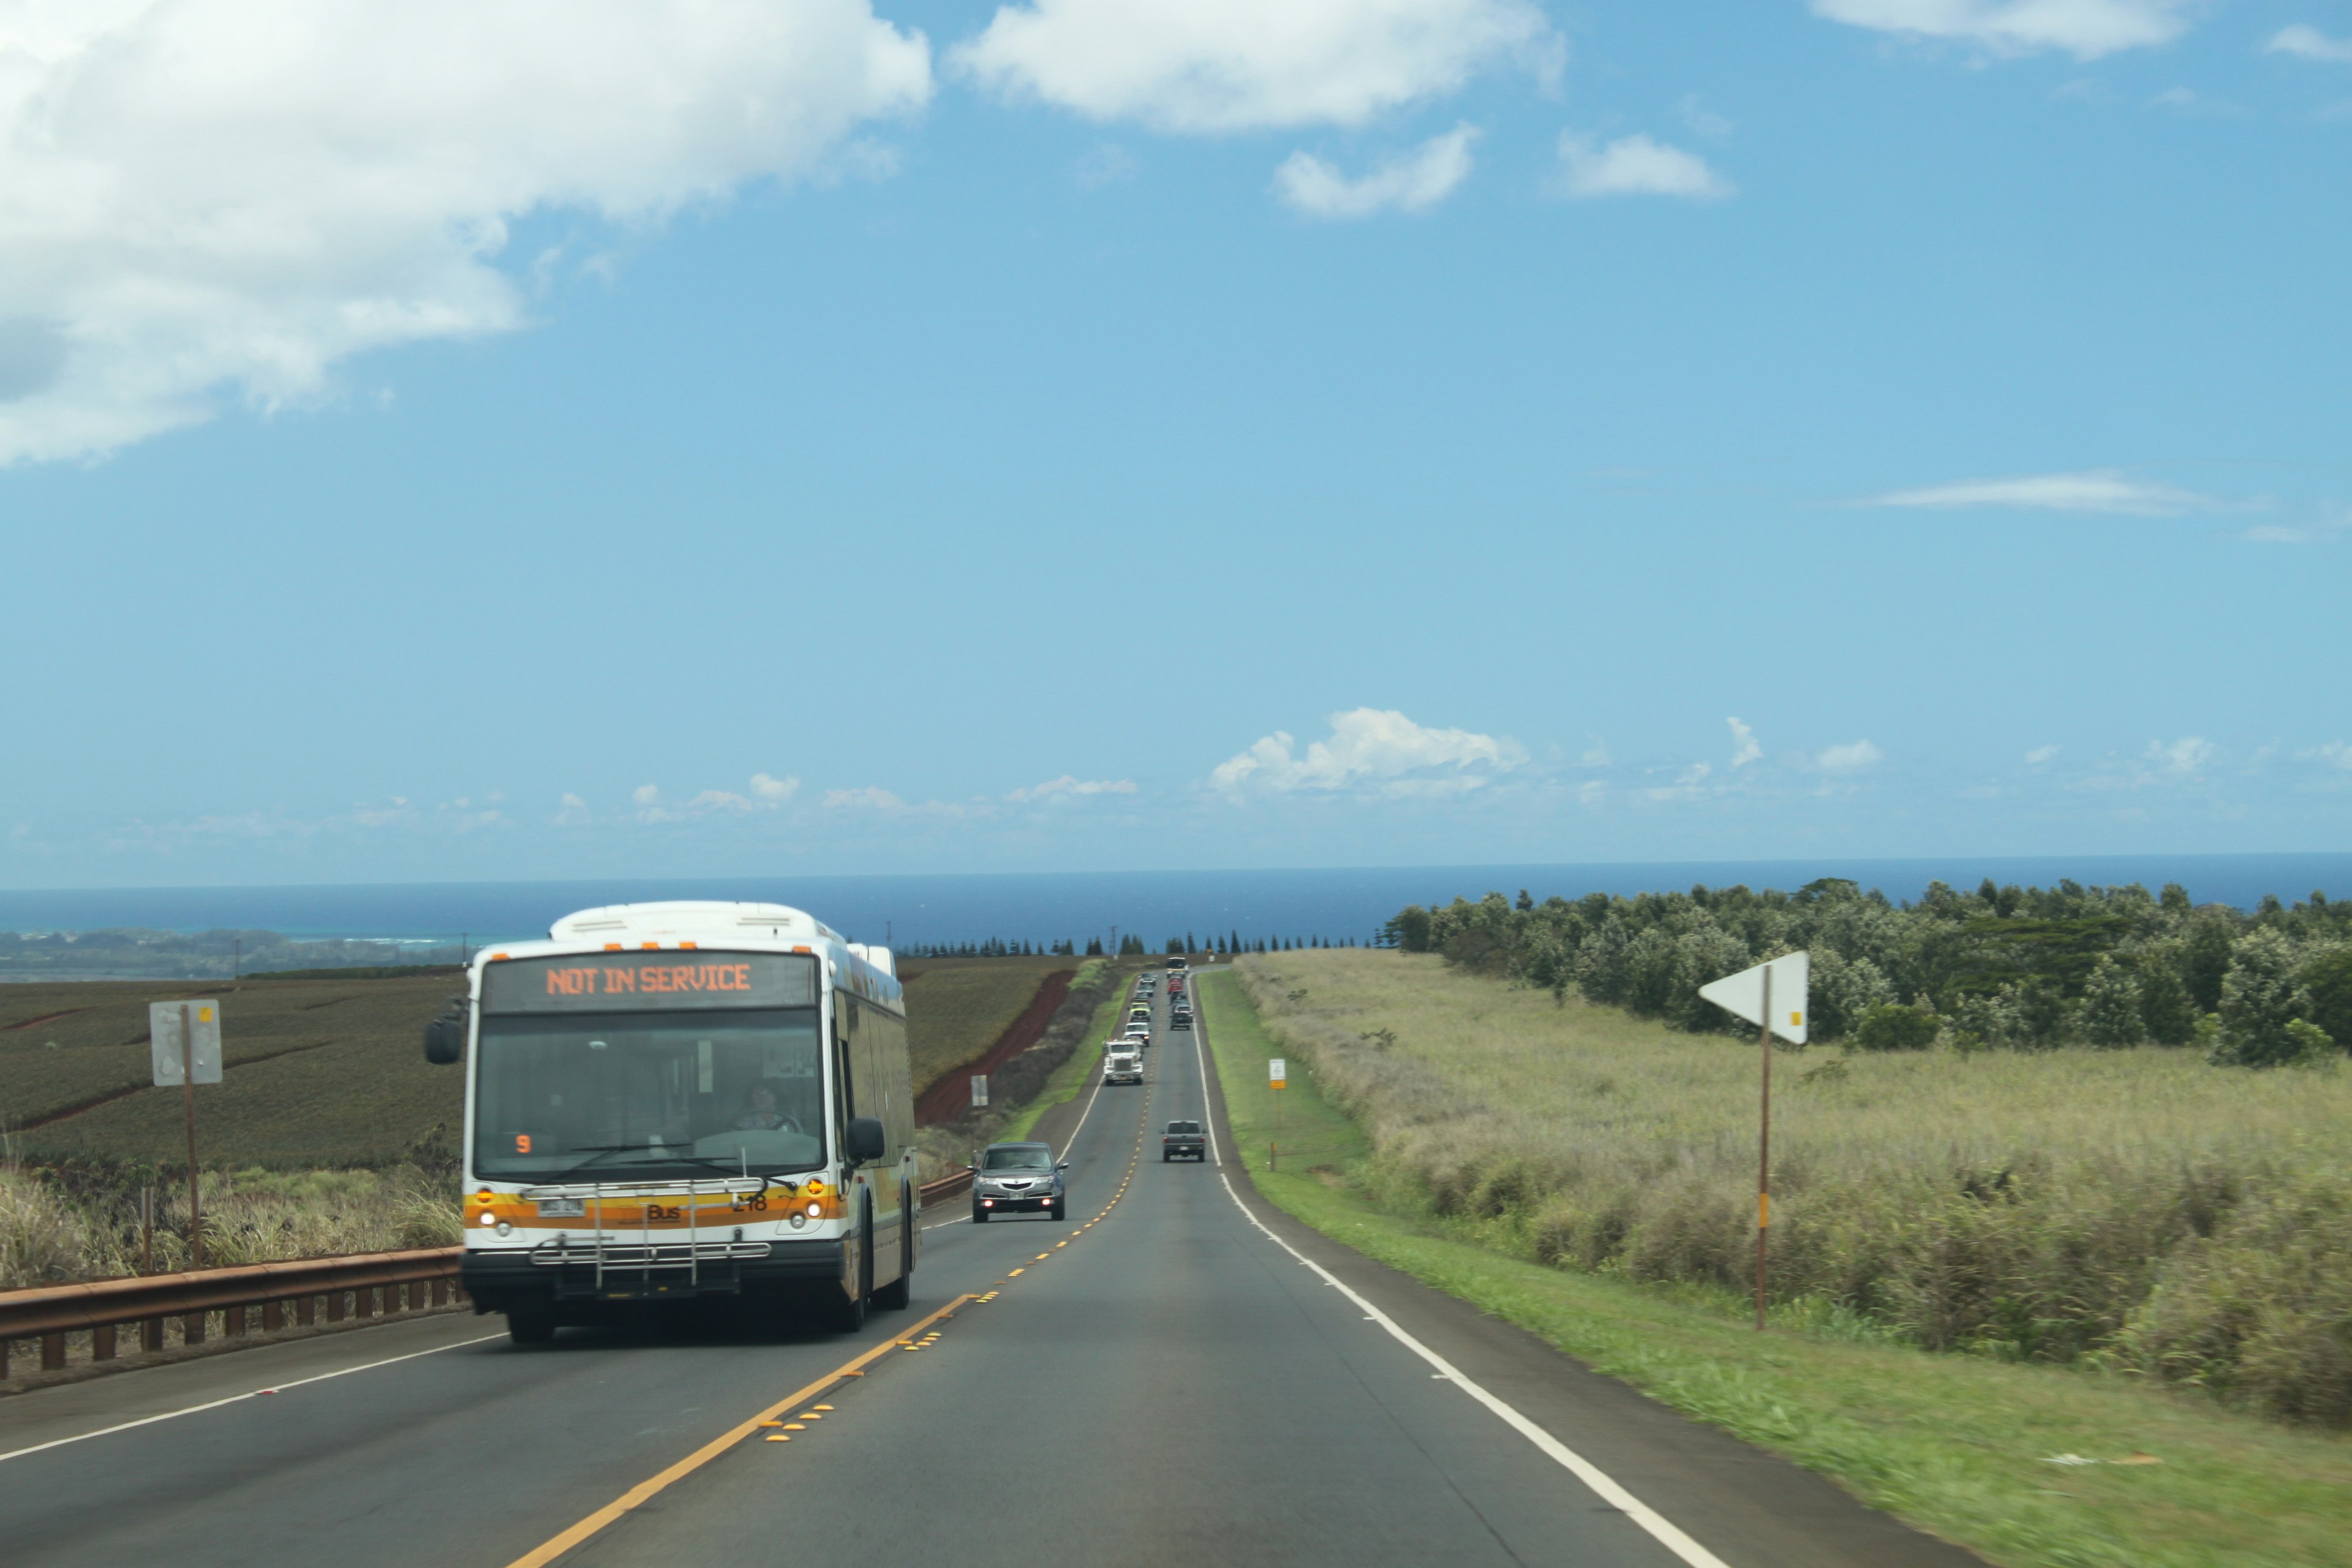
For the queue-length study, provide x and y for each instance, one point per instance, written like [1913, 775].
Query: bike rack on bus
[649, 1255]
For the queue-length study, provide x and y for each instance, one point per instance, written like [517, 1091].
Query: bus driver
[760, 1112]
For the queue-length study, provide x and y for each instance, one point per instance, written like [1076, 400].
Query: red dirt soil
[951, 1095]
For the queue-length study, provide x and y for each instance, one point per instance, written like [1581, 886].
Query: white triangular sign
[1743, 994]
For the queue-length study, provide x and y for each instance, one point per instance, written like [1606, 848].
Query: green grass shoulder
[1959, 1446]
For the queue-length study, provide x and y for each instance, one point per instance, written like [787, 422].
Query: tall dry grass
[2141, 1208]
[49, 1235]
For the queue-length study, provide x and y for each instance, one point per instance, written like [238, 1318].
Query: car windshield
[653, 1094]
[1183, 1127]
[1018, 1157]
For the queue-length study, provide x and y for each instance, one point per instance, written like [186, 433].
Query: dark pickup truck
[1183, 1141]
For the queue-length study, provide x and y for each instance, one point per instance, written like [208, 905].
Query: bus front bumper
[500, 1280]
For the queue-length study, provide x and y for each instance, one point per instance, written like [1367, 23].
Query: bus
[685, 1103]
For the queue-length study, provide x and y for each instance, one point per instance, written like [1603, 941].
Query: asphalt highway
[1174, 1374]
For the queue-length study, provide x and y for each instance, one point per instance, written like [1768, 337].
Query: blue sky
[1085, 436]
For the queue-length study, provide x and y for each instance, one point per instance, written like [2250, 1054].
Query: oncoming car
[1017, 1178]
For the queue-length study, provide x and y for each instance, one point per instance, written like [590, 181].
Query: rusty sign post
[184, 1039]
[1749, 995]
[1277, 1079]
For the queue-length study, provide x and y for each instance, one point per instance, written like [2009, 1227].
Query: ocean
[1045, 907]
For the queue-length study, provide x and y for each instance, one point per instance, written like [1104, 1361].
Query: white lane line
[1072, 1142]
[239, 1398]
[1208, 1122]
[1661, 1529]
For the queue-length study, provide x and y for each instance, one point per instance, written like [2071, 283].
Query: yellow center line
[644, 1492]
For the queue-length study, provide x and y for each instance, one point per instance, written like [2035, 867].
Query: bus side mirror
[865, 1140]
[445, 1037]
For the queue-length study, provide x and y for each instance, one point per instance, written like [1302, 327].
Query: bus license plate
[562, 1208]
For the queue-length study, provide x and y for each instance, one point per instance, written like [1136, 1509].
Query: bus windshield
[648, 1095]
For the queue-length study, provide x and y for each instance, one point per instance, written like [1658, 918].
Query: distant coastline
[1043, 907]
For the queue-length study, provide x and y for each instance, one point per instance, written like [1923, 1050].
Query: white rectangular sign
[1742, 994]
[163, 1033]
[1276, 1071]
[980, 1089]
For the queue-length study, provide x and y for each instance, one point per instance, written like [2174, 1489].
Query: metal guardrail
[946, 1187]
[49, 1312]
[409, 1280]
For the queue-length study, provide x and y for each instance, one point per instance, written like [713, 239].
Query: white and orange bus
[681, 1102]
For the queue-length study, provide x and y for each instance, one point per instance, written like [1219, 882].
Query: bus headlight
[489, 1218]
[505, 1229]
[816, 1210]
[799, 1220]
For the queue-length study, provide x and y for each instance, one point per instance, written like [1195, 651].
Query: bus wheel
[894, 1297]
[531, 1328]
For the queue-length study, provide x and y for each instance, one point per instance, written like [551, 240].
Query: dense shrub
[1893, 1027]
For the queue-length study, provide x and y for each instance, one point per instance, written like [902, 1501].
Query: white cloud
[1846, 758]
[2186, 756]
[2327, 527]
[2083, 28]
[2310, 43]
[1070, 787]
[869, 798]
[2040, 756]
[2335, 751]
[1744, 749]
[1233, 65]
[221, 199]
[2098, 490]
[1634, 165]
[712, 800]
[1686, 784]
[776, 790]
[570, 811]
[1373, 748]
[651, 809]
[1414, 183]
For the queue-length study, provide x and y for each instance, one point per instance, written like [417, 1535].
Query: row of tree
[1129, 946]
[2003, 967]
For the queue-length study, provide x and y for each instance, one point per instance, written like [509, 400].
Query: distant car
[1180, 1021]
[1017, 1178]
[1183, 1141]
